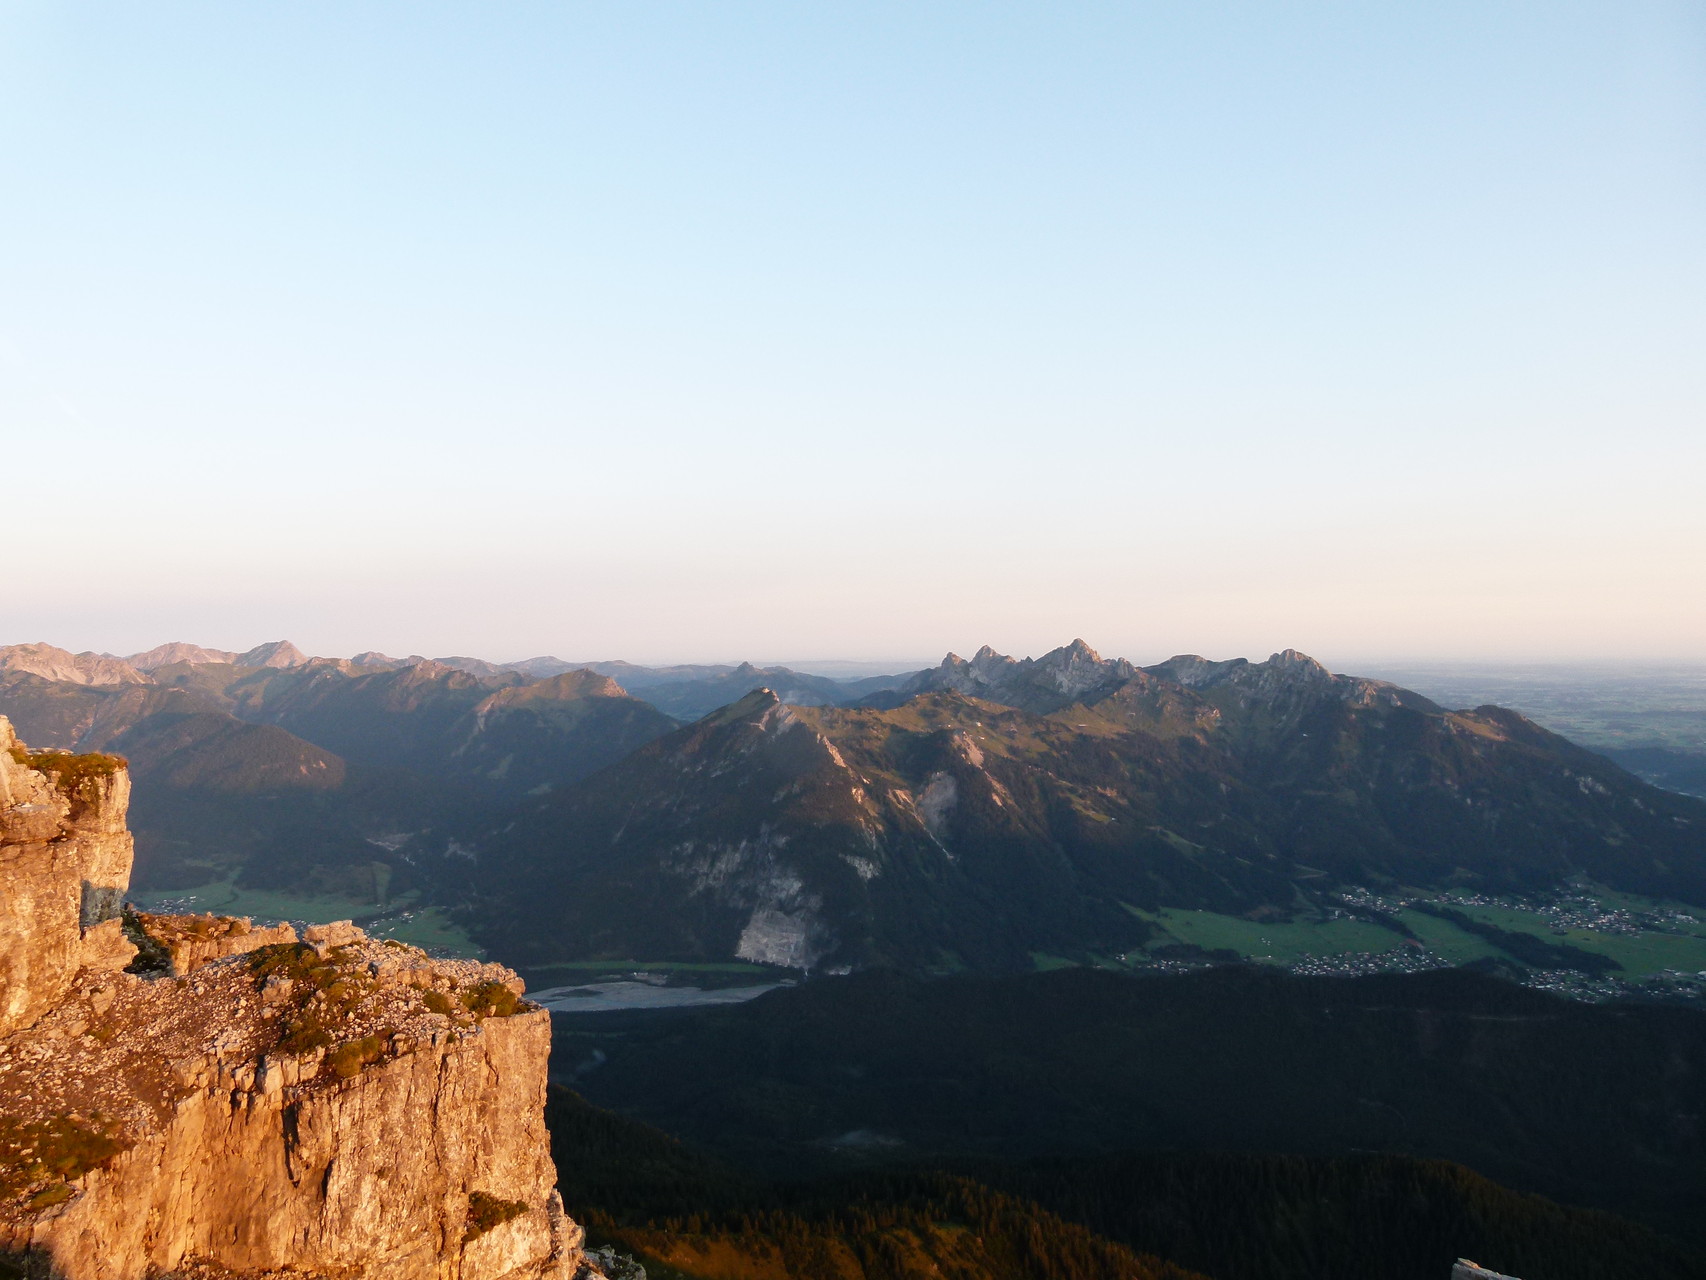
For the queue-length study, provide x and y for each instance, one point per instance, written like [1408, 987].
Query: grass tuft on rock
[347, 1060]
[55, 1151]
[324, 992]
[486, 1212]
[76, 775]
[491, 1000]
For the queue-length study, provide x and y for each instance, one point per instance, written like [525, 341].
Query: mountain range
[1072, 1124]
[308, 773]
[974, 815]
[991, 809]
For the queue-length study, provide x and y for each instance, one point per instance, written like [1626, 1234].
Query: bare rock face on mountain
[1289, 682]
[52, 663]
[279, 653]
[1039, 685]
[724, 866]
[337, 1106]
[165, 655]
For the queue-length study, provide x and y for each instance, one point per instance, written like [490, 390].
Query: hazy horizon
[679, 332]
[852, 668]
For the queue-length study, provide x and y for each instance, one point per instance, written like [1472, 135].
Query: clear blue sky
[700, 331]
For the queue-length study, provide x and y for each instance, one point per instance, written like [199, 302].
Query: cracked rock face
[256, 1105]
[65, 856]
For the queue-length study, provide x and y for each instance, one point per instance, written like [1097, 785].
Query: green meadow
[1289, 942]
[1270, 942]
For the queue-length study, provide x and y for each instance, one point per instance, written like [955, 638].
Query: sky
[698, 332]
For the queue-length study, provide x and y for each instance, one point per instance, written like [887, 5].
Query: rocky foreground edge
[189, 1095]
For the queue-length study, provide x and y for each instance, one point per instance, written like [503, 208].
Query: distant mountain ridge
[1077, 673]
[292, 770]
[52, 663]
[685, 691]
[976, 814]
[304, 772]
[279, 653]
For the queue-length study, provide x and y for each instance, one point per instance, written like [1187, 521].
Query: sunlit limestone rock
[51, 663]
[65, 857]
[337, 1106]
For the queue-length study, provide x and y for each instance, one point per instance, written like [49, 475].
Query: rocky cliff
[64, 866]
[239, 1102]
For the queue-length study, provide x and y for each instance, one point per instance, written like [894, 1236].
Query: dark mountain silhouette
[216, 796]
[500, 736]
[304, 775]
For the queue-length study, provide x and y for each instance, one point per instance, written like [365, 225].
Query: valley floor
[1586, 941]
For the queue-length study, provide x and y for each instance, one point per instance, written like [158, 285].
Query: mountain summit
[1043, 684]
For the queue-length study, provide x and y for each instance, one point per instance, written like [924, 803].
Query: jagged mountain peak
[1077, 668]
[1287, 683]
[989, 667]
[1036, 684]
[1195, 689]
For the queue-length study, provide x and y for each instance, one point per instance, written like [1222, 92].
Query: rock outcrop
[336, 1106]
[65, 857]
[179, 945]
